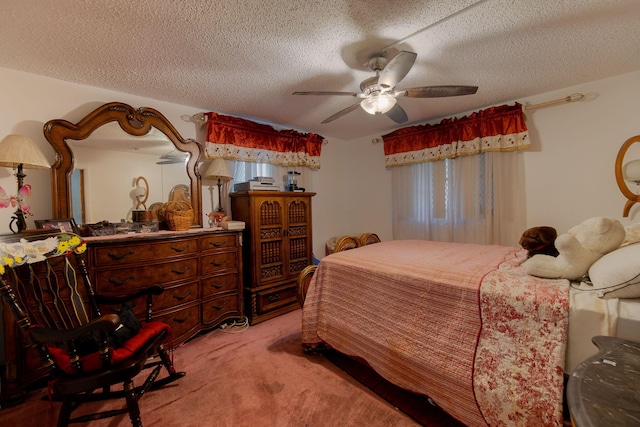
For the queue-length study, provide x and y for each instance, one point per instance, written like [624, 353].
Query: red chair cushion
[92, 362]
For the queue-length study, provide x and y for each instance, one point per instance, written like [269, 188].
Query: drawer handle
[120, 257]
[182, 249]
[181, 271]
[218, 286]
[274, 298]
[218, 264]
[218, 244]
[221, 306]
[182, 319]
[181, 297]
[121, 282]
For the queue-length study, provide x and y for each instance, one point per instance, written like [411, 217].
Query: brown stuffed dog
[539, 240]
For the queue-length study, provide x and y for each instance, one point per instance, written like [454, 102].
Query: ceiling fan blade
[397, 68]
[325, 93]
[341, 113]
[436, 91]
[397, 114]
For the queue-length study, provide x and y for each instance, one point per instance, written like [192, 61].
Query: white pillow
[632, 234]
[617, 274]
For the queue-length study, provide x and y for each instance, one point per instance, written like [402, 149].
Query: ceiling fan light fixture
[378, 103]
[379, 93]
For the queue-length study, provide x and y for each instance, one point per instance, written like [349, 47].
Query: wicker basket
[178, 216]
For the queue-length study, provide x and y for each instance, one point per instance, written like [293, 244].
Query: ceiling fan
[378, 94]
[173, 157]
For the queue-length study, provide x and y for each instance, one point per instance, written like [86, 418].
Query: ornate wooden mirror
[628, 172]
[147, 135]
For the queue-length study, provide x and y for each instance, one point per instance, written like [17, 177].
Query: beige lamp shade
[21, 150]
[217, 169]
[631, 171]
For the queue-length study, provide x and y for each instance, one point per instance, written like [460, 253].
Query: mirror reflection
[105, 184]
[101, 160]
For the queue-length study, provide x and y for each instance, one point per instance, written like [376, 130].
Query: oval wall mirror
[99, 159]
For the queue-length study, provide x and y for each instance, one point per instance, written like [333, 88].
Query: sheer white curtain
[469, 199]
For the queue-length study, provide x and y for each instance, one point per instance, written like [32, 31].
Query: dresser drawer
[274, 298]
[214, 310]
[218, 261]
[128, 279]
[172, 296]
[176, 295]
[142, 252]
[217, 242]
[182, 322]
[217, 284]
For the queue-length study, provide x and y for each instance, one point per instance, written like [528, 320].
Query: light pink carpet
[257, 377]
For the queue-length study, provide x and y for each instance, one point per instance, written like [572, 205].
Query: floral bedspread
[460, 323]
[520, 357]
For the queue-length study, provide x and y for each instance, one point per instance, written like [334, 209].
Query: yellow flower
[80, 249]
[74, 241]
[63, 247]
[1, 270]
[18, 259]
[7, 261]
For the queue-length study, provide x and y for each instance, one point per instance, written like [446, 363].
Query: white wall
[329, 204]
[569, 171]
[353, 192]
[29, 101]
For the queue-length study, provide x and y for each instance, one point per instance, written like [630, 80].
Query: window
[245, 171]
[474, 199]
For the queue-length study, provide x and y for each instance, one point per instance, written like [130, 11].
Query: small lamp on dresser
[20, 152]
[217, 170]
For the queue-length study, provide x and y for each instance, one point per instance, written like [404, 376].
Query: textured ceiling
[245, 58]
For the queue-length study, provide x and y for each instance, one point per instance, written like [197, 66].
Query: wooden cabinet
[278, 246]
[200, 270]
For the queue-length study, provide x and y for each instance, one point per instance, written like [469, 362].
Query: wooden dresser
[200, 269]
[278, 246]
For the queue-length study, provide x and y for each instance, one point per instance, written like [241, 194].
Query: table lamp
[218, 169]
[20, 152]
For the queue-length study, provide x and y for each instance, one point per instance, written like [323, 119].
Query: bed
[462, 324]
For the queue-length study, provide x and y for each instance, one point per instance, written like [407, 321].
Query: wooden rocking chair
[41, 287]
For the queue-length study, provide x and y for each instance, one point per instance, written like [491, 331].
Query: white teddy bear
[580, 247]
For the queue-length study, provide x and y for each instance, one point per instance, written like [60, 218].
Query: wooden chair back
[45, 284]
[52, 292]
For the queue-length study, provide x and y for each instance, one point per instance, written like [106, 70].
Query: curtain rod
[199, 118]
[571, 98]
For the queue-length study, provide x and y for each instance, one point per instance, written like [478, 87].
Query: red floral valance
[500, 128]
[239, 139]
